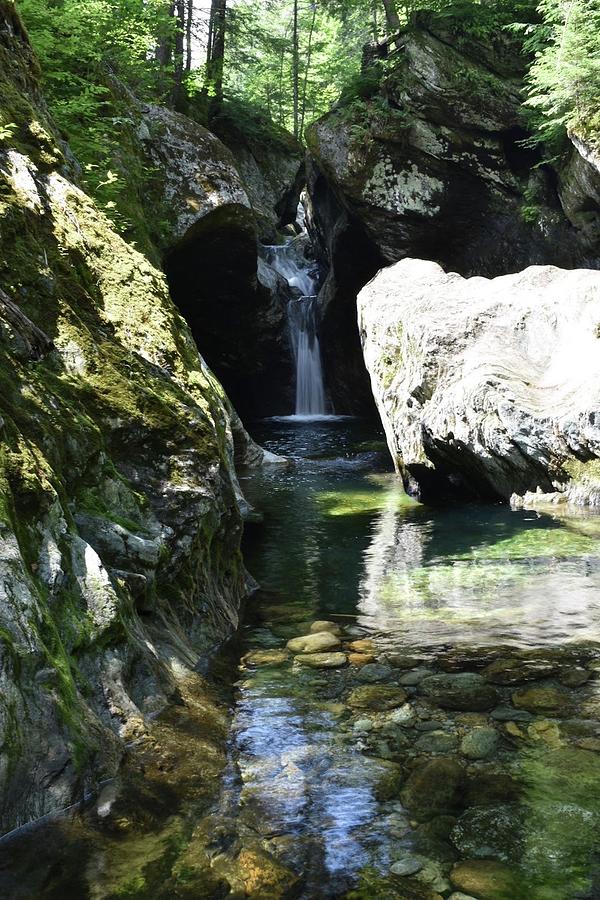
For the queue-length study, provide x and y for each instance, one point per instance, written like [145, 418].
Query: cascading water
[303, 318]
[310, 390]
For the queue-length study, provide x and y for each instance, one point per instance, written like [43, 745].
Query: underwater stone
[490, 789]
[435, 788]
[313, 643]
[266, 658]
[322, 660]
[437, 742]
[545, 699]
[374, 672]
[403, 716]
[466, 691]
[362, 645]
[377, 696]
[360, 659]
[479, 743]
[324, 625]
[414, 677]
[407, 866]
[508, 714]
[486, 878]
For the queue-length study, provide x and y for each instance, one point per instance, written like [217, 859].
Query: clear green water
[317, 785]
[341, 537]
[341, 540]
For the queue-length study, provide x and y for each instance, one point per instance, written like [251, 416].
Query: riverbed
[453, 747]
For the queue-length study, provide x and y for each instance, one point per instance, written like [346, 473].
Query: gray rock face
[271, 166]
[214, 203]
[495, 380]
[198, 174]
[120, 527]
[432, 165]
[579, 189]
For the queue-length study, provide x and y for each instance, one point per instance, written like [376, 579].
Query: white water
[310, 389]
[303, 318]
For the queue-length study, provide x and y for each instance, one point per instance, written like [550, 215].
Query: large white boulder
[497, 380]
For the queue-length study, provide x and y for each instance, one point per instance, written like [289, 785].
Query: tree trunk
[164, 49]
[209, 36]
[216, 56]
[375, 21]
[179, 41]
[188, 35]
[391, 17]
[295, 67]
[307, 67]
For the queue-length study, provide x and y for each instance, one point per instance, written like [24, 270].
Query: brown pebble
[360, 659]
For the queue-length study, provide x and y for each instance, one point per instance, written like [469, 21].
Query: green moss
[583, 471]
[535, 543]
[349, 503]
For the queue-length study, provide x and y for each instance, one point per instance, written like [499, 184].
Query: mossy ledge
[119, 518]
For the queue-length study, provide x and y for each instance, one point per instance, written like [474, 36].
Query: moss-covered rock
[428, 157]
[119, 518]
[431, 162]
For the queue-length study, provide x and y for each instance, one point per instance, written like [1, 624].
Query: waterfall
[303, 318]
[310, 390]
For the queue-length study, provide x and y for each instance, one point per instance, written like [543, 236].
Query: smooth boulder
[494, 381]
[314, 643]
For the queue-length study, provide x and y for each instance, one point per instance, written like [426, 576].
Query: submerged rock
[487, 879]
[374, 672]
[322, 660]
[437, 742]
[363, 645]
[408, 865]
[360, 659]
[266, 658]
[313, 643]
[436, 347]
[465, 691]
[479, 743]
[264, 876]
[324, 625]
[546, 699]
[379, 697]
[492, 788]
[435, 789]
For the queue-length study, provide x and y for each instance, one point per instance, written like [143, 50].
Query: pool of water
[340, 540]
[456, 748]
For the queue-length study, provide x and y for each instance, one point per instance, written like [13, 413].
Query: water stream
[458, 749]
[301, 275]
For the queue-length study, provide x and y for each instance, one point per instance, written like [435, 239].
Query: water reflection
[340, 542]
[521, 579]
[343, 541]
[322, 786]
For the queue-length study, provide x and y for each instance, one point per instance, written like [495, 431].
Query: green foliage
[564, 80]
[92, 55]
[258, 65]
